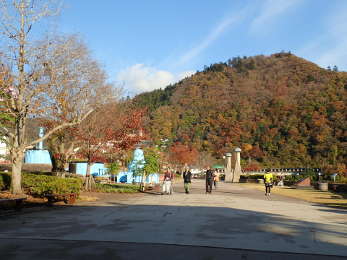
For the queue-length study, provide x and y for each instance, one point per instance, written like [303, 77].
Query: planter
[323, 186]
[338, 187]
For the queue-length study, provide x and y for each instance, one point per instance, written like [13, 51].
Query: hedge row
[293, 178]
[252, 177]
[117, 188]
[40, 185]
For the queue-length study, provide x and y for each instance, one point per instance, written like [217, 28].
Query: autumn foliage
[183, 154]
[280, 109]
[107, 131]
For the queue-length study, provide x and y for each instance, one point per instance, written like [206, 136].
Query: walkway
[232, 221]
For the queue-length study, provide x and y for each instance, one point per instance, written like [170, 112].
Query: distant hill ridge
[280, 109]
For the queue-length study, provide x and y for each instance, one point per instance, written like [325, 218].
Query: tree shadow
[334, 209]
[340, 208]
[220, 227]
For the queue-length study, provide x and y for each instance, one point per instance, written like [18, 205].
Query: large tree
[107, 130]
[49, 76]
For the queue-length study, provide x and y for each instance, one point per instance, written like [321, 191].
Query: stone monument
[236, 164]
[233, 166]
[228, 169]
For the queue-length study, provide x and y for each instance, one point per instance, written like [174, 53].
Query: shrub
[5, 181]
[39, 185]
[341, 179]
[254, 177]
[293, 178]
[35, 167]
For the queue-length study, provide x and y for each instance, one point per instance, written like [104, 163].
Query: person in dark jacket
[209, 180]
[187, 178]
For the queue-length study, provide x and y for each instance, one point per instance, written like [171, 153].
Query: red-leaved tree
[108, 130]
[182, 154]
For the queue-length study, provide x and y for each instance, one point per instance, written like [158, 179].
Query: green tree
[151, 164]
[113, 168]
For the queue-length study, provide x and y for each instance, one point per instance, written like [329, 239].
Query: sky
[149, 44]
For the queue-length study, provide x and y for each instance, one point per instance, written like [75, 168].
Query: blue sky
[148, 44]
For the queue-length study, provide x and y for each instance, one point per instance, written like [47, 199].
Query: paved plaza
[234, 221]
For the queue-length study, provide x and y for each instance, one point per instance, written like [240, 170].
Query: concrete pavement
[23, 249]
[232, 221]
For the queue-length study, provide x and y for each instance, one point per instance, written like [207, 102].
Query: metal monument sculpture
[135, 168]
[38, 155]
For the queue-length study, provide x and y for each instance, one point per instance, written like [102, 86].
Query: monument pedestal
[233, 166]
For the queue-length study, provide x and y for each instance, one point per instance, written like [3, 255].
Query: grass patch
[87, 198]
[311, 195]
[117, 188]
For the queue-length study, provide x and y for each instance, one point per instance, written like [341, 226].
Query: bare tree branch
[57, 128]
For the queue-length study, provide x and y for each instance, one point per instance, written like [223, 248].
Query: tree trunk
[16, 182]
[143, 181]
[89, 183]
[58, 161]
[58, 166]
[17, 151]
[89, 165]
[53, 160]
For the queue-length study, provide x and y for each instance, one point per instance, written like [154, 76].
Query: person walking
[167, 182]
[268, 180]
[187, 178]
[215, 179]
[209, 180]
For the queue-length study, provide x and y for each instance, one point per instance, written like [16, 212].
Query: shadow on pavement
[81, 250]
[164, 232]
[333, 208]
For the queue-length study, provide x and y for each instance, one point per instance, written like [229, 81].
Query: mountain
[281, 110]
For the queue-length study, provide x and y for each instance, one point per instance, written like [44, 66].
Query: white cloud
[140, 78]
[270, 10]
[216, 32]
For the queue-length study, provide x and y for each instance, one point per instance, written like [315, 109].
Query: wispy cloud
[270, 10]
[140, 78]
[213, 35]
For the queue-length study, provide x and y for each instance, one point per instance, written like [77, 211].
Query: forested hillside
[281, 110]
